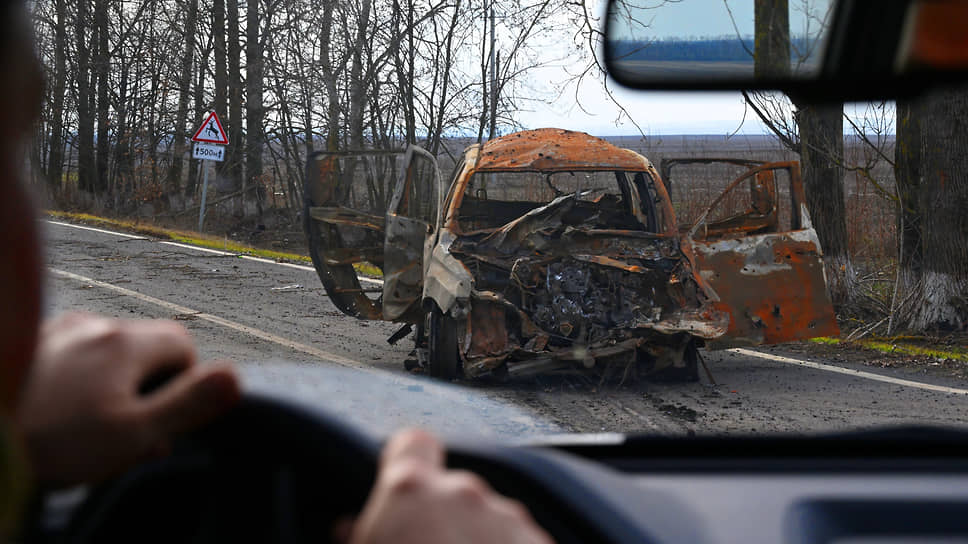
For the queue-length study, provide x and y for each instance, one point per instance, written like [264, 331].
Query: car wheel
[443, 355]
[689, 372]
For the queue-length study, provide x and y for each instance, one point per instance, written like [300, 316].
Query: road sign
[208, 152]
[211, 132]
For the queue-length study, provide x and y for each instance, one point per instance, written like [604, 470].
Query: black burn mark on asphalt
[679, 412]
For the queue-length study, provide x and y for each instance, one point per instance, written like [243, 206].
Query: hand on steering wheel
[85, 413]
[417, 500]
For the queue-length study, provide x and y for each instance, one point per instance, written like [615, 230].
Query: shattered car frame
[551, 249]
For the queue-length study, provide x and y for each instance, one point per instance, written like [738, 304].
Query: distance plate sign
[208, 152]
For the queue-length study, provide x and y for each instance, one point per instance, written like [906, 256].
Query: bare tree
[254, 114]
[233, 157]
[184, 91]
[134, 77]
[57, 88]
[85, 117]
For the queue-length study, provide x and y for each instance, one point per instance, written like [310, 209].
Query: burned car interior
[551, 250]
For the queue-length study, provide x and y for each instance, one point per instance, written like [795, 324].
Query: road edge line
[103, 231]
[199, 248]
[850, 372]
[211, 318]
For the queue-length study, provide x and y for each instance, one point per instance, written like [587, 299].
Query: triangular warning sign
[211, 131]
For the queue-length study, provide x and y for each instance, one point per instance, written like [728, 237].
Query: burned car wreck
[550, 249]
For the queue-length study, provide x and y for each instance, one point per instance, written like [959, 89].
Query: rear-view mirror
[820, 49]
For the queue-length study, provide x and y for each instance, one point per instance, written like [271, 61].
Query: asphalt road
[276, 322]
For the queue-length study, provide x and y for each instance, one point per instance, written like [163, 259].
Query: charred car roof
[550, 149]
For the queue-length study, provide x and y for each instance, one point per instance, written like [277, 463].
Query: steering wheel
[268, 471]
[274, 471]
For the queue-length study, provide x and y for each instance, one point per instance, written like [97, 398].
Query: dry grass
[930, 348]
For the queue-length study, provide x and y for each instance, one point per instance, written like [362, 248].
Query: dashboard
[894, 486]
[279, 472]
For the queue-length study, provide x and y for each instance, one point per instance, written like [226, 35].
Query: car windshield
[366, 185]
[492, 199]
[542, 187]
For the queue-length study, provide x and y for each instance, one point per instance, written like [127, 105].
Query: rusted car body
[552, 249]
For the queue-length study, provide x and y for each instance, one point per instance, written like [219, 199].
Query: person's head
[20, 264]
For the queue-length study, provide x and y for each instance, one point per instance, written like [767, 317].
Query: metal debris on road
[287, 287]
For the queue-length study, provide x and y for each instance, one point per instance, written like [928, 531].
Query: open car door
[755, 246]
[369, 213]
[411, 230]
[346, 196]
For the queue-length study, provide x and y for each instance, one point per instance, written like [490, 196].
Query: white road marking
[245, 329]
[302, 267]
[452, 394]
[196, 248]
[102, 231]
[851, 372]
[207, 250]
[270, 261]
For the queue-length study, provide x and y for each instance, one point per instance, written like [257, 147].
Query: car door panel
[410, 228]
[344, 217]
[766, 274]
[771, 285]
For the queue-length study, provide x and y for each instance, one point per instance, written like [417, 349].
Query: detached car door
[756, 248]
[372, 213]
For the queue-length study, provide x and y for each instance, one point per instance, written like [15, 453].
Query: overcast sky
[655, 112]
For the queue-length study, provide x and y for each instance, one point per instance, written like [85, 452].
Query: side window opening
[762, 202]
[420, 198]
[650, 199]
[758, 202]
[449, 195]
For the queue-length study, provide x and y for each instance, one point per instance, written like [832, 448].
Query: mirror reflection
[677, 40]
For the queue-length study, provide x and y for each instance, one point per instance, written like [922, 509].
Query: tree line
[129, 80]
[726, 49]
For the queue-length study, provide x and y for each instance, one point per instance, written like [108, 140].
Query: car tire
[443, 355]
[689, 373]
